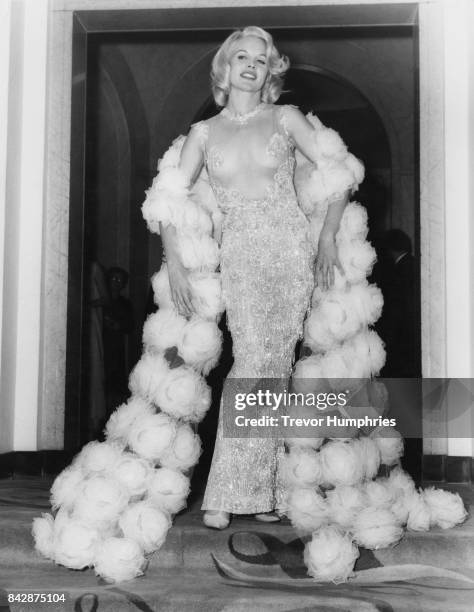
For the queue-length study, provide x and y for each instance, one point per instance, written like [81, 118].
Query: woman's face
[248, 64]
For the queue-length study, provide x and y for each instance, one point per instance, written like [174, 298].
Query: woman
[266, 254]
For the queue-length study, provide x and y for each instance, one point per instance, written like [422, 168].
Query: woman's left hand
[326, 260]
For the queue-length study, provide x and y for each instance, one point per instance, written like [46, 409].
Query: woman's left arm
[302, 132]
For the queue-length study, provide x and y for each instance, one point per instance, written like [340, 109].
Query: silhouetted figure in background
[397, 326]
[117, 324]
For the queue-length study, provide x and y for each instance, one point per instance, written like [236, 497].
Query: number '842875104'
[36, 597]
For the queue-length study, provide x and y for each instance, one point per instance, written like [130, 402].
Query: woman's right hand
[180, 287]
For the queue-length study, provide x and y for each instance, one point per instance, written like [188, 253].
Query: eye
[261, 61]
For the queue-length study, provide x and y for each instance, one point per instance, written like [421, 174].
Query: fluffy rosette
[163, 329]
[357, 258]
[318, 335]
[119, 559]
[330, 555]
[390, 444]
[200, 344]
[302, 468]
[168, 490]
[419, 515]
[328, 143]
[152, 436]
[183, 394]
[75, 543]
[207, 296]
[304, 443]
[165, 199]
[308, 376]
[345, 503]
[147, 376]
[340, 463]
[398, 479]
[43, 535]
[378, 493]
[146, 525]
[356, 167]
[376, 528]
[369, 456]
[337, 178]
[65, 487]
[446, 508]
[198, 252]
[185, 450]
[100, 501]
[134, 473]
[160, 283]
[124, 417]
[367, 349]
[97, 457]
[367, 302]
[307, 510]
[353, 224]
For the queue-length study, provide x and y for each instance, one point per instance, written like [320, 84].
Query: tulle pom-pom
[168, 490]
[398, 479]
[329, 144]
[134, 473]
[183, 394]
[376, 528]
[119, 559]
[152, 436]
[340, 463]
[75, 544]
[367, 349]
[337, 179]
[446, 508]
[357, 258]
[198, 252]
[419, 515]
[163, 329]
[304, 443]
[353, 224]
[96, 457]
[100, 501]
[302, 468]
[307, 375]
[161, 288]
[369, 456]
[122, 420]
[307, 510]
[390, 444]
[379, 495]
[200, 344]
[367, 302]
[146, 525]
[207, 296]
[65, 487]
[184, 451]
[330, 555]
[318, 335]
[356, 167]
[43, 534]
[147, 376]
[345, 503]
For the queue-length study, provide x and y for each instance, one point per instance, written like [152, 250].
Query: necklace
[242, 119]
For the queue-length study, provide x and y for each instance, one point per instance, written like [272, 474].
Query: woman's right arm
[190, 164]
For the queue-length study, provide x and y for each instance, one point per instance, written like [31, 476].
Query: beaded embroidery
[267, 280]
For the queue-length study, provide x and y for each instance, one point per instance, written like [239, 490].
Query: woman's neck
[243, 102]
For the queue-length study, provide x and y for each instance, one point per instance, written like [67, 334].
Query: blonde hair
[277, 64]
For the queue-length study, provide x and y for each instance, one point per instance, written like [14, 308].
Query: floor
[249, 567]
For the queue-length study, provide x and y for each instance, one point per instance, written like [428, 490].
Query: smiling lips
[248, 75]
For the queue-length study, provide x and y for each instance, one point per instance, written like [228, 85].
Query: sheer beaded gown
[267, 279]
